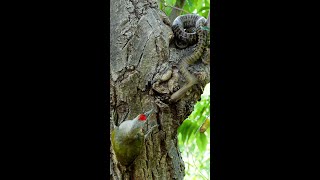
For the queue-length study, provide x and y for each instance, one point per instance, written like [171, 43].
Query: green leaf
[180, 142]
[183, 129]
[199, 5]
[189, 6]
[206, 111]
[202, 142]
[198, 108]
[199, 145]
[201, 120]
[167, 11]
[204, 8]
[190, 3]
[186, 123]
[191, 131]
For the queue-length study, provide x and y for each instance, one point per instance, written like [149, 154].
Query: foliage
[193, 142]
[200, 7]
[191, 126]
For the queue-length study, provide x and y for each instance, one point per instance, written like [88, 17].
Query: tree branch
[177, 9]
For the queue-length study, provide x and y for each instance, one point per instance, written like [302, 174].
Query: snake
[179, 25]
[184, 28]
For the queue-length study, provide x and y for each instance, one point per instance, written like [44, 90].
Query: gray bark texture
[141, 52]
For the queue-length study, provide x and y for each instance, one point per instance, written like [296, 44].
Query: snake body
[184, 28]
[186, 22]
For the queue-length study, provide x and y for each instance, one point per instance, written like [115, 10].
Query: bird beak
[148, 113]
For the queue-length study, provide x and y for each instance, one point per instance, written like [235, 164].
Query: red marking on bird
[142, 117]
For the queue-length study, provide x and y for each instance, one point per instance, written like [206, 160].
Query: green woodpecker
[127, 139]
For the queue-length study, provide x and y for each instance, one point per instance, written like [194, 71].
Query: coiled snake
[190, 22]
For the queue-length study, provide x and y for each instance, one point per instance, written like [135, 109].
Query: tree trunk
[140, 52]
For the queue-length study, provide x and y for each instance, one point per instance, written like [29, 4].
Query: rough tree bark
[140, 51]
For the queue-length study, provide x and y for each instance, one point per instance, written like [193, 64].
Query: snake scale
[189, 37]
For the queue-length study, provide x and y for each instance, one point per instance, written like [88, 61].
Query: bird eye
[142, 117]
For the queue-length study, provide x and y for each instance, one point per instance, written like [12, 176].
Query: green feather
[126, 149]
